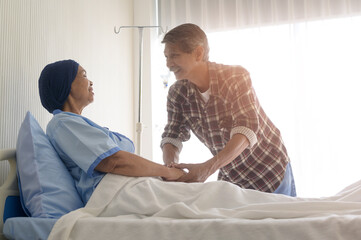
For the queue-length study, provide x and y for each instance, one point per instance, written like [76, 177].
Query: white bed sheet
[148, 208]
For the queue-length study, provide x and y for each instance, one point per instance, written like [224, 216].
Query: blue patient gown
[82, 144]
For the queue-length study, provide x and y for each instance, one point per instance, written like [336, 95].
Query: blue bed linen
[26, 228]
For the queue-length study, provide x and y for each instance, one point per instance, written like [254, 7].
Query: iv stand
[139, 125]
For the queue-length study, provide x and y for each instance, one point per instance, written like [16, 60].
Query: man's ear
[199, 53]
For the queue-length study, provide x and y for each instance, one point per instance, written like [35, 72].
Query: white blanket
[148, 208]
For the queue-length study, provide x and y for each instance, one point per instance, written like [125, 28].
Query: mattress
[28, 228]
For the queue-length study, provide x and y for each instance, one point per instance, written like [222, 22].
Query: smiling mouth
[176, 70]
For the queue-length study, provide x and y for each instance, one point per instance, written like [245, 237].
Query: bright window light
[308, 80]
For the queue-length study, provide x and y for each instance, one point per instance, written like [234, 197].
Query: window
[307, 78]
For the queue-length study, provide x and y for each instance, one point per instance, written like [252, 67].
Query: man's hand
[170, 154]
[201, 171]
[198, 172]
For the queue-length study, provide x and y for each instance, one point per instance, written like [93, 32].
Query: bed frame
[10, 205]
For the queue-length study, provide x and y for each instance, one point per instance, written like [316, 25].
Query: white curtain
[304, 59]
[219, 15]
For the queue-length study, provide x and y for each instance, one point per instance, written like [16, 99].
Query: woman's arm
[128, 164]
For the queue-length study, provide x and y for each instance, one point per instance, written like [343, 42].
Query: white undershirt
[205, 95]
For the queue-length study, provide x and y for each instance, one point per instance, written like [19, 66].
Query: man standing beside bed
[218, 103]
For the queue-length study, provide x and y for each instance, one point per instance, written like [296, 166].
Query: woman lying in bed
[88, 150]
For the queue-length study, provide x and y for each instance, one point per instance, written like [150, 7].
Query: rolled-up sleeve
[245, 108]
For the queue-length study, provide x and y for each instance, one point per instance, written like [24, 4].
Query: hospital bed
[10, 207]
[333, 225]
[149, 208]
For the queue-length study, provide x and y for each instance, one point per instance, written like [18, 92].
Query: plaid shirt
[232, 108]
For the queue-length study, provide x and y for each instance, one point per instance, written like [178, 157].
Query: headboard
[9, 191]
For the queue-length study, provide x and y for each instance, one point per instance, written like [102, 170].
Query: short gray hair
[188, 36]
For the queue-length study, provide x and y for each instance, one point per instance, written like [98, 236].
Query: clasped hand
[198, 172]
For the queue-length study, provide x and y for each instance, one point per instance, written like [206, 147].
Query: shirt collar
[213, 78]
[213, 81]
[57, 111]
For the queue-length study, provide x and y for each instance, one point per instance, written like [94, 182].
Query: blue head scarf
[55, 83]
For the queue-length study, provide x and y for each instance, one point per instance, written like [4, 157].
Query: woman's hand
[173, 174]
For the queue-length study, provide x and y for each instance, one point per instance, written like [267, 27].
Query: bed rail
[10, 186]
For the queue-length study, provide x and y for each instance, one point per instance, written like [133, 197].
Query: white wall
[35, 33]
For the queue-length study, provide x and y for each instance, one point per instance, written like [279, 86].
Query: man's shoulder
[227, 77]
[227, 70]
[180, 83]
[180, 87]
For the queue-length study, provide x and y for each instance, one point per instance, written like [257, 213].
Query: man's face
[179, 62]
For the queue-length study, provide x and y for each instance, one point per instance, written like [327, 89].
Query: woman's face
[82, 88]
